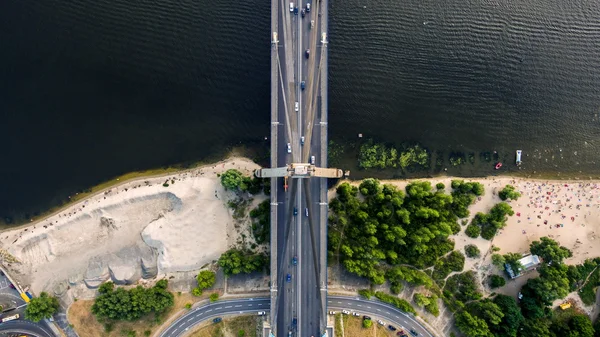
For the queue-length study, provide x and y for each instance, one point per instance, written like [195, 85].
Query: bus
[10, 318]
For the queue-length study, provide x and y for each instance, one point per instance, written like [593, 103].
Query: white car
[289, 148]
[261, 313]
[355, 314]
[345, 312]
[312, 160]
[380, 322]
[306, 211]
[291, 6]
[296, 107]
[332, 312]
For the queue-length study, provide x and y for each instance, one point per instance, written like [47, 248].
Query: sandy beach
[139, 228]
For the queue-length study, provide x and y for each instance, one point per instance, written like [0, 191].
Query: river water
[93, 89]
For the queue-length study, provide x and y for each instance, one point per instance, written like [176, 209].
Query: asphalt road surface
[25, 327]
[376, 310]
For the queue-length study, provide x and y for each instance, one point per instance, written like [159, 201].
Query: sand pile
[138, 229]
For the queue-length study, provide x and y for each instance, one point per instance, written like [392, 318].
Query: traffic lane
[213, 310]
[312, 312]
[26, 327]
[387, 313]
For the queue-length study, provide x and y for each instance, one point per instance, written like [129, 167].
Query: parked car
[261, 313]
[380, 322]
[392, 328]
[332, 312]
[345, 312]
[366, 317]
[355, 314]
[217, 320]
[400, 333]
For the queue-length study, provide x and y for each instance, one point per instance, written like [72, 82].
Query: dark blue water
[93, 89]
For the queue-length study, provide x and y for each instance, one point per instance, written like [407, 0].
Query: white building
[528, 262]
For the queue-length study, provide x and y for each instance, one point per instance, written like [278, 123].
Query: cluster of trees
[430, 303]
[487, 225]
[472, 251]
[399, 274]
[235, 261]
[455, 261]
[395, 301]
[132, 304]
[509, 192]
[42, 307]
[388, 225]
[261, 225]
[233, 179]
[532, 317]
[206, 279]
[378, 155]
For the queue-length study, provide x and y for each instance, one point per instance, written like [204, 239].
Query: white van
[312, 160]
[291, 6]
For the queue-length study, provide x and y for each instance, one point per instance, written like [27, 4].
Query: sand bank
[138, 229]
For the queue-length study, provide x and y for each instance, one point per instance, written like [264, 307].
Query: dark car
[366, 317]
[217, 320]
[413, 332]
[294, 322]
[294, 260]
[295, 211]
[302, 85]
[296, 10]
[288, 278]
[303, 12]
[392, 328]
[400, 333]
[307, 53]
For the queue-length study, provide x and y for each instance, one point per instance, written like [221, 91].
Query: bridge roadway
[375, 309]
[304, 235]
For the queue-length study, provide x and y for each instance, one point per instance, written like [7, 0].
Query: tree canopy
[42, 307]
[509, 192]
[235, 261]
[206, 279]
[132, 304]
[231, 179]
[549, 250]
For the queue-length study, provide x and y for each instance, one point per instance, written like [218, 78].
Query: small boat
[498, 165]
[518, 157]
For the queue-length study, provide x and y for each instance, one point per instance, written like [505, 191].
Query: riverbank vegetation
[381, 156]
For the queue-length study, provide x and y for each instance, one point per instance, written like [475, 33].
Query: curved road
[25, 327]
[377, 310]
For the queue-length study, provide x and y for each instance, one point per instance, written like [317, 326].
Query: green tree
[472, 326]
[473, 231]
[509, 192]
[497, 281]
[232, 179]
[235, 261]
[498, 260]
[486, 309]
[197, 292]
[206, 279]
[440, 186]
[214, 297]
[41, 307]
[509, 325]
[512, 259]
[535, 328]
[367, 323]
[472, 251]
[549, 250]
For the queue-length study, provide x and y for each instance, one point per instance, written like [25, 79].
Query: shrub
[497, 281]
[440, 186]
[509, 192]
[214, 297]
[472, 251]
[395, 301]
[473, 231]
[206, 279]
[197, 292]
[367, 323]
[188, 306]
[366, 293]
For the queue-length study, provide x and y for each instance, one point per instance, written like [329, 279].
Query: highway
[375, 309]
[294, 114]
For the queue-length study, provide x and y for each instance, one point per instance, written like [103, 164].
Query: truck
[25, 297]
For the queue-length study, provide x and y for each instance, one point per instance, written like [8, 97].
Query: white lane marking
[368, 307]
[339, 302]
[219, 308]
[209, 310]
[237, 306]
[229, 306]
[378, 309]
[358, 305]
[387, 312]
[249, 305]
[259, 304]
[190, 319]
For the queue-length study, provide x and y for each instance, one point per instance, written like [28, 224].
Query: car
[12, 285]
[413, 332]
[380, 322]
[302, 85]
[289, 148]
[308, 6]
[400, 332]
[355, 314]
[261, 313]
[312, 160]
[296, 107]
[217, 320]
[366, 317]
[303, 12]
[288, 278]
[306, 211]
[332, 312]
[291, 6]
[294, 321]
[295, 211]
[345, 312]
[295, 260]
[307, 53]
[295, 10]
[302, 140]
[312, 24]
[392, 328]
